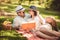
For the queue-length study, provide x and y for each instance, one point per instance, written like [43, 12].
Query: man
[20, 18]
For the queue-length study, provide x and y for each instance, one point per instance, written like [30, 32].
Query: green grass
[10, 35]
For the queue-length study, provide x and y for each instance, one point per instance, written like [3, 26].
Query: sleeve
[46, 27]
[15, 23]
[43, 20]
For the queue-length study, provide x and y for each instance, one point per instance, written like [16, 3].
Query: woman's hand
[38, 13]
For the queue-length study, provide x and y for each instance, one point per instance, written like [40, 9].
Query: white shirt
[37, 21]
[18, 21]
[46, 27]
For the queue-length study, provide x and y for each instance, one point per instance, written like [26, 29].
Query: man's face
[21, 13]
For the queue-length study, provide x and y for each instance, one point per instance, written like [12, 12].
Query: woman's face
[31, 12]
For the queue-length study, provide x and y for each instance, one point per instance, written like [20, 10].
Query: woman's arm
[42, 20]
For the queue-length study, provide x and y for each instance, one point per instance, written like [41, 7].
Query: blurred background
[7, 11]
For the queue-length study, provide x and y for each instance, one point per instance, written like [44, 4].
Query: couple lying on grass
[33, 26]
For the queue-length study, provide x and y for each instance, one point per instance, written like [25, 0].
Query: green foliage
[48, 3]
[8, 7]
[55, 5]
[3, 19]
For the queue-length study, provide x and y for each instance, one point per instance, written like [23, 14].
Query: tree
[41, 1]
[30, 1]
[8, 1]
[20, 2]
[47, 3]
[2, 1]
[55, 5]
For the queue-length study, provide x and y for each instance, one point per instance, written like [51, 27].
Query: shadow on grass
[9, 7]
[11, 35]
[12, 38]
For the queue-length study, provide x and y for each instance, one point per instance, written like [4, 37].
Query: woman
[38, 20]
[35, 16]
[53, 24]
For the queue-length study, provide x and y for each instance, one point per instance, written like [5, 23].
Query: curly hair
[52, 22]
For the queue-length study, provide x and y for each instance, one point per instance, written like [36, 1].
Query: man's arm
[15, 24]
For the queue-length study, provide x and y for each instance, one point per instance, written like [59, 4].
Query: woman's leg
[49, 32]
[56, 33]
[40, 34]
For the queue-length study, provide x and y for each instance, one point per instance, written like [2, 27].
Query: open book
[28, 26]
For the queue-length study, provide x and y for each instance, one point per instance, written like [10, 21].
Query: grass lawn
[11, 34]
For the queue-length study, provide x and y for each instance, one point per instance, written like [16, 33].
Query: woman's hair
[34, 9]
[52, 22]
[35, 13]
